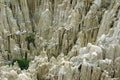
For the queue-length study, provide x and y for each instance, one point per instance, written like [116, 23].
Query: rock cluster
[73, 39]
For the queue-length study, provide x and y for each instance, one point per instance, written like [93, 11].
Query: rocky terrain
[63, 39]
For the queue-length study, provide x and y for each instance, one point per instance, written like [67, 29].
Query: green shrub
[22, 63]
[30, 38]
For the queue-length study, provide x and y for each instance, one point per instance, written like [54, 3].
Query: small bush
[30, 38]
[22, 63]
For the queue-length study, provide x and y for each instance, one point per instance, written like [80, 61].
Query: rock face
[67, 39]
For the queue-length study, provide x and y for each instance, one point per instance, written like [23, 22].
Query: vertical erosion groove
[73, 39]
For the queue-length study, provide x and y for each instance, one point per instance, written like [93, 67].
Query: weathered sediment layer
[74, 39]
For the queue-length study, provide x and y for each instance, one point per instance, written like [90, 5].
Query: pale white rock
[11, 21]
[85, 71]
[75, 39]
[18, 32]
[107, 20]
[117, 68]
[98, 2]
[23, 76]
[25, 11]
[96, 73]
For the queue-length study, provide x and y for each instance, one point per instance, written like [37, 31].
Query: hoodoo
[59, 39]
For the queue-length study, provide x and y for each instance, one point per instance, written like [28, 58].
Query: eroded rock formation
[73, 39]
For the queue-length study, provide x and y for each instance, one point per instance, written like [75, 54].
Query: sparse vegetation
[23, 63]
[30, 39]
